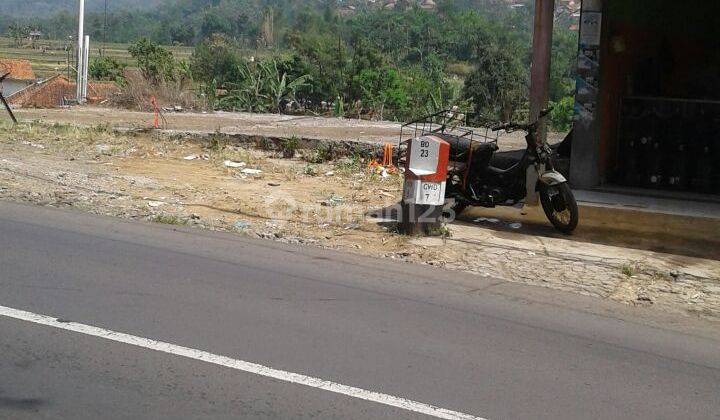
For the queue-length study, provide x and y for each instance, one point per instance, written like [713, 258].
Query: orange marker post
[156, 120]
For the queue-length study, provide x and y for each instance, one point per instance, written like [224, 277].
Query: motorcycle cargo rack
[451, 126]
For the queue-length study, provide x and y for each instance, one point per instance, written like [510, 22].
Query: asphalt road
[483, 347]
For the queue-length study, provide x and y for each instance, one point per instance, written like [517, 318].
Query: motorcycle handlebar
[501, 127]
[512, 126]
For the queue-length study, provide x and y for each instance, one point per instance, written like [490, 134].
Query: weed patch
[168, 219]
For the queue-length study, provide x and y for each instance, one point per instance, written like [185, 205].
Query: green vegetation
[561, 116]
[498, 86]
[51, 56]
[310, 170]
[323, 152]
[261, 87]
[156, 63]
[106, 68]
[49, 7]
[628, 270]
[318, 56]
[289, 147]
[168, 219]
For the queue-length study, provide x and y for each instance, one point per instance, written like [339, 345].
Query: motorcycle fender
[552, 178]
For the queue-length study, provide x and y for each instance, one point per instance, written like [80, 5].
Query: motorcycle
[475, 180]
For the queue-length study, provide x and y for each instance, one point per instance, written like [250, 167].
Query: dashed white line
[249, 367]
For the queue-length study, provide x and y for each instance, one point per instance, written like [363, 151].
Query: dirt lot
[215, 185]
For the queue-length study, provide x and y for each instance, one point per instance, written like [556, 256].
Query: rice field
[50, 57]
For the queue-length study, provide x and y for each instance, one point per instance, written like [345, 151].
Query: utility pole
[86, 57]
[68, 56]
[80, 54]
[541, 61]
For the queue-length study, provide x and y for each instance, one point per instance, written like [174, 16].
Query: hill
[44, 8]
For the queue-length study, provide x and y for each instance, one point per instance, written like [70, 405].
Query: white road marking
[241, 365]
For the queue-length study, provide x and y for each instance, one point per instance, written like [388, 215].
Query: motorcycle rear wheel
[560, 207]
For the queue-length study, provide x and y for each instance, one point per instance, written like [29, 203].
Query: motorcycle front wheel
[560, 207]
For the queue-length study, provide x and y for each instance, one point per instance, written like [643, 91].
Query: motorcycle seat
[485, 148]
[460, 146]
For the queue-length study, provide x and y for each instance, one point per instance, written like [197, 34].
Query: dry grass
[137, 94]
[460, 69]
[66, 137]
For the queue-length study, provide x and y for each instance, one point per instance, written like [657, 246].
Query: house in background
[21, 75]
[58, 91]
[34, 36]
[23, 90]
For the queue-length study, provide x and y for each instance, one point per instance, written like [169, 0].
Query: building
[648, 98]
[58, 91]
[34, 36]
[22, 89]
[20, 75]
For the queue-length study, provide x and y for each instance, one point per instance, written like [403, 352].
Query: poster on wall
[588, 68]
[590, 29]
[591, 6]
[584, 166]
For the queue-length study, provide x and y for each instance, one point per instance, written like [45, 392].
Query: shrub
[106, 68]
[561, 117]
[289, 147]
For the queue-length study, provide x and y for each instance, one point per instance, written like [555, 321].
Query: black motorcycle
[475, 177]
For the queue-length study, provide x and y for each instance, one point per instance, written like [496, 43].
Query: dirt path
[147, 177]
[274, 125]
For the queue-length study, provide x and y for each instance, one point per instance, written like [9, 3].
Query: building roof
[57, 90]
[18, 69]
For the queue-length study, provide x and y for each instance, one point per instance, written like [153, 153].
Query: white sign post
[424, 193]
[424, 160]
[424, 156]
[425, 181]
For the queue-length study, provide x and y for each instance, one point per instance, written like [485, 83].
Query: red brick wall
[46, 95]
[51, 93]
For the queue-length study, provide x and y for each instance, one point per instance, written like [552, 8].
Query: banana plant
[279, 87]
[261, 88]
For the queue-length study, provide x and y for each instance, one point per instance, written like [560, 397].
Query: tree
[156, 63]
[380, 88]
[215, 22]
[499, 85]
[564, 57]
[18, 32]
[181, 33]
[215, 61]
[325, 57]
